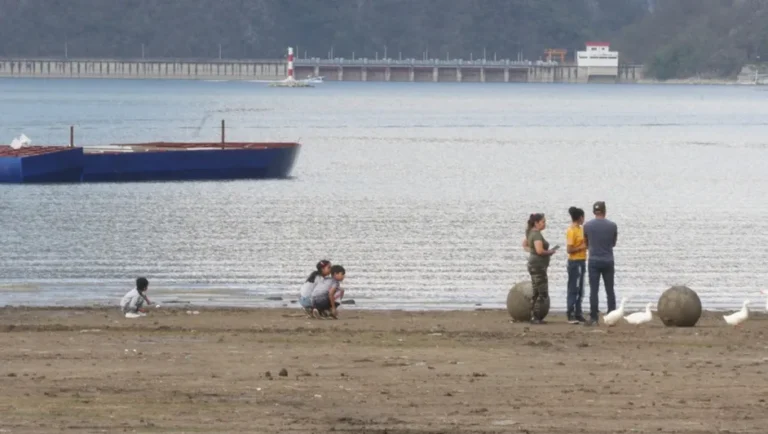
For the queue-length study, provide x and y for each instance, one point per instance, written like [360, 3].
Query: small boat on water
[156, 161]
[315, 79]
[290, 82]
[310, 81]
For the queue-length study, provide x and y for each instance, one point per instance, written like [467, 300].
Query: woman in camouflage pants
[538, 262]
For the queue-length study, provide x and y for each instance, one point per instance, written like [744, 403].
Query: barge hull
[43, 164]
[189, 165]
[148, 162]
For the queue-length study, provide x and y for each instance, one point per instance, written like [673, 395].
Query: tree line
[674, 38]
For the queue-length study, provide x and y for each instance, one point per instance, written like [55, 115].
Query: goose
[638, 318]
[614, 316]
[735, 319]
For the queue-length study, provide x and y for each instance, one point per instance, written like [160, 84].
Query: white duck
[614, 316]
[638, 318]
[736, 318]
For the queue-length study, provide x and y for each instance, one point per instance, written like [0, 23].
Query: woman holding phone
[538, 262]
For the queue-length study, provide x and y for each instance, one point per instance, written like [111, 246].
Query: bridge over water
[458, 70]
[430, 70]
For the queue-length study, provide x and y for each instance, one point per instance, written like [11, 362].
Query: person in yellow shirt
[577, 261]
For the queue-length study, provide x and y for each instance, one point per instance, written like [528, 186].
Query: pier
[364, 70]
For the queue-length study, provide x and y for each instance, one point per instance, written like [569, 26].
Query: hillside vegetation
[674, 38]
[711, 38]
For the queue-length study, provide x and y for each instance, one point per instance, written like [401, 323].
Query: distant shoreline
[697, 81]
[353, 70]
[644, 82]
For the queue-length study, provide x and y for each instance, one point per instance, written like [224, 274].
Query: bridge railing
[415, 62]
[184, 60]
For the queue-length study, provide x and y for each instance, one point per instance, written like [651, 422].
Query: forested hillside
[675, 38]
[684, 38]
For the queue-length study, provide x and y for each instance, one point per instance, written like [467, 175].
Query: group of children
[320, 295]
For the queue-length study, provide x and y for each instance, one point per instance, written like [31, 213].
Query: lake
[421, 190]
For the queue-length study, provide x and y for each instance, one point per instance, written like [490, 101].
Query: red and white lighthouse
[290, 63]
[290, 81]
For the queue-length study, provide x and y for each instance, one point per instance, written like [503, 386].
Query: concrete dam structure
[149, 69]
[386, 70]
[462, 71]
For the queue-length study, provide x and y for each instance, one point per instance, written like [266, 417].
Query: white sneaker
[132, 315]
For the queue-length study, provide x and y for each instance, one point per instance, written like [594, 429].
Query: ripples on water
[420, 190]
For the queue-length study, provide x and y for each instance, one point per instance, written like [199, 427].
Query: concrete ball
[519, 302]
[679, 306]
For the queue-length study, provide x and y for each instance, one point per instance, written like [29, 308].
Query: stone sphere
[519, 302]
[679, 306]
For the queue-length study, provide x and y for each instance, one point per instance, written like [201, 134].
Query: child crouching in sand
[326, 293]
[305, 293]
[132, 303]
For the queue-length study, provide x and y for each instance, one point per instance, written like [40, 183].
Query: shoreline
[266, 370]
[554, 316]
[696, 81]
[269, 79]
[757, 308]
[216, 79]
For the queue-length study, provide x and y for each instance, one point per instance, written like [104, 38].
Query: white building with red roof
[598, 60]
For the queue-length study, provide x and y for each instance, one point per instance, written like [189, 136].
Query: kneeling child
[132, 303]
[326, 292]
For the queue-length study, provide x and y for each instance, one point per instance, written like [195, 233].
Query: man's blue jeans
[606, 270]
[576, 270]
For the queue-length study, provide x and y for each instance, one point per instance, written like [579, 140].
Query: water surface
[420, 190]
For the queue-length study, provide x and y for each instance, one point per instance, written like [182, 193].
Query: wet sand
[273, 370]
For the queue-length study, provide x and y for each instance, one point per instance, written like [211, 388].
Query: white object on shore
[735, 319]
[132, 315]
[614, 316]
[638, 318]
[20, 141]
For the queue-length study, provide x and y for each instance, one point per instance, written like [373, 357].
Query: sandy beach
[273, 370]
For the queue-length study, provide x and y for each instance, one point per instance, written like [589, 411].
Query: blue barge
[158, 161]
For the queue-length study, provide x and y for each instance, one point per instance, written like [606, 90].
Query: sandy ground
[90, 370]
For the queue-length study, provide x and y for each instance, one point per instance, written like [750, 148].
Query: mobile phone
[556, 247]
